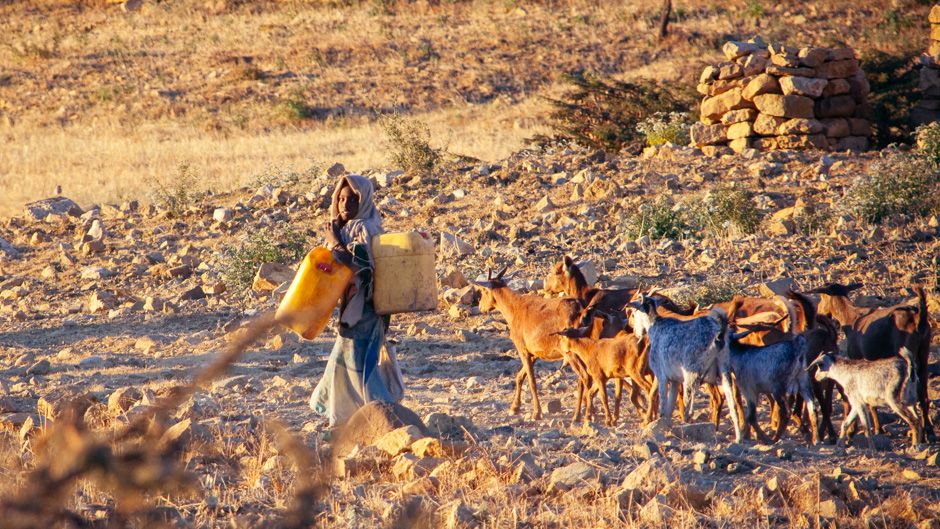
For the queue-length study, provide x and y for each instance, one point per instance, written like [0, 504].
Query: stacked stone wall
[771, 97]
[928, 108]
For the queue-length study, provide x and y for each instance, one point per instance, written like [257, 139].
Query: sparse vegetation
[666, 127]
[812, 218]
[409, 144]
[903, 185]
[928, 141]
[287, 178]
[176, 192]
[657, 219]
[712, 290]
[605, 114]
[239, 264]
[726, 209]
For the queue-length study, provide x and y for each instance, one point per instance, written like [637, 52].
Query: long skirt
[360, 369]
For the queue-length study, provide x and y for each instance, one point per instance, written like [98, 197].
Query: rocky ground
[124, 302]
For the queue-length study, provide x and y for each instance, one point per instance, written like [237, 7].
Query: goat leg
[528, 363]
[911, 418]
[517, 399]
[876, 423]
[618, 392]
[784, 416]
[729, 396]
[601, 382]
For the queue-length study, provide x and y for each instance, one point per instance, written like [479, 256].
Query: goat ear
[738, 336]
[853, 286]
[816, 362]
[483, 284]
[501, 273]
[568, 262]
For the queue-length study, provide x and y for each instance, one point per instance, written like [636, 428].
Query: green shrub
[812, 218]
[666, 127]
[286, 178]
[928, 141]
[604, 114]
[708, 292]
[240, 264]
[907, 185]
[726, 209]
[657, 220]
[176, 192]
[409, 144]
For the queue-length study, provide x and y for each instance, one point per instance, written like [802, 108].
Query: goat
[688, 352]
[621, 357]
[533, 323]
[888, 382]
[876, 333]
[567, 278]
[774, 370]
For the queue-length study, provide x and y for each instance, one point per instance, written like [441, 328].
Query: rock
[7, 249]
[800, 141]
[729, 71]
[223, 214]
[762, 84]
[715, 107]
[554, 406]
[744, 129]
[702, 134]
[804, 86]
[454, 279]
[657, 512]
[755, 64]
[571, 476]
[836, 87]
[791, 106]
[427, 447]
[859, 127]
[934, 16]
[800, 126]
[777, 287]
[456, 515]
[651, 476]
[734, 49]
[145, 345]
[812, 57]
[93, 247]
[836, 128]
[399, 440]
[738, 116]
[336, 170]
[852, 143]
[702, 432]
[837, 69]
[271, 275]
[41, 367]
[193, 294]
[91, 362]
[186, 432]
[835, 107]
[101, 300]
[40, 209]
[444, 425]
[766, 125]
[451, 246]
[123, 399]
[544, 205]
[371, 422]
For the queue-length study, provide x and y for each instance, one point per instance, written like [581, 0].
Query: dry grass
[96, 166]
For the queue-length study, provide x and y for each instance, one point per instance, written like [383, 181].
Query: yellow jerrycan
[317, 287]
[405, 280]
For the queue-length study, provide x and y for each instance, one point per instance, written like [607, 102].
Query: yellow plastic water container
[404, 273]
[313, 294]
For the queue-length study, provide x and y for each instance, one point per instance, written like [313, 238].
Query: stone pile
[774, 96]
[928, 108]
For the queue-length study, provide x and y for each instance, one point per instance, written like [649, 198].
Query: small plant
[604, 114]
[294, 107]
[754, 9]
[176, 193]
[928, 141]
[657, 220]
[907, 185]
[812, 218]
[708, 292]
[286, 178]
[409, 143]
[666, 127]
[258, 247]
[727, 209]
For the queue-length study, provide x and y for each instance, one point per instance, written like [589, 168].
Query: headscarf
[359, 230]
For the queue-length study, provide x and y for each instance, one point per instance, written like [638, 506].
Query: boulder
[101, 300]
[766, 125]
[754, 64]
[572, 476]
[271, 275]
[399, 440]
[835, 127]
[812, 57]
[7, 249]
[800, 142]
[744, 129]
[738, 116]
[762, 84]
[715, 107]
[702, 134]
[444, 425]
[791, 106]
[451, 246]
[651, 476]
[836, 87]
[734, 49]
[835, 107]
[223, 214]
[800, 126]
[804, 86]
[777, 287]
[40, 209]
[123, 399]
[838, 69]
[371, 422]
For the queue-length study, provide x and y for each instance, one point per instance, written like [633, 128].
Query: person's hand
[332, 233]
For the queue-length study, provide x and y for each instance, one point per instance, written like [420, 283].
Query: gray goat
[775, 370]
[888, 382]
[687, 352]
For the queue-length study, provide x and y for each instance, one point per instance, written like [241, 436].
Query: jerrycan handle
[325, 268]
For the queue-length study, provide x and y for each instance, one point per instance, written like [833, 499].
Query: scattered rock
[371, 422]
[571, 476]
[271, 275]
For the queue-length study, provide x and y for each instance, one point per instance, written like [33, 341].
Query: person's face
[348, 203]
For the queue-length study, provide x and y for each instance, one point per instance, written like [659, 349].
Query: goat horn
[502, 272]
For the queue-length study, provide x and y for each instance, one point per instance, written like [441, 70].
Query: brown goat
[877, 333]
[620, 357]
[533, 323]
[567, 278]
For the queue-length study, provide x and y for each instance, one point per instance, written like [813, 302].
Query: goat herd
[786, 348]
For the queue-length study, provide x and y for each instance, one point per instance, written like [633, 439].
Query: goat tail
[909, 384]
[923, 323]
